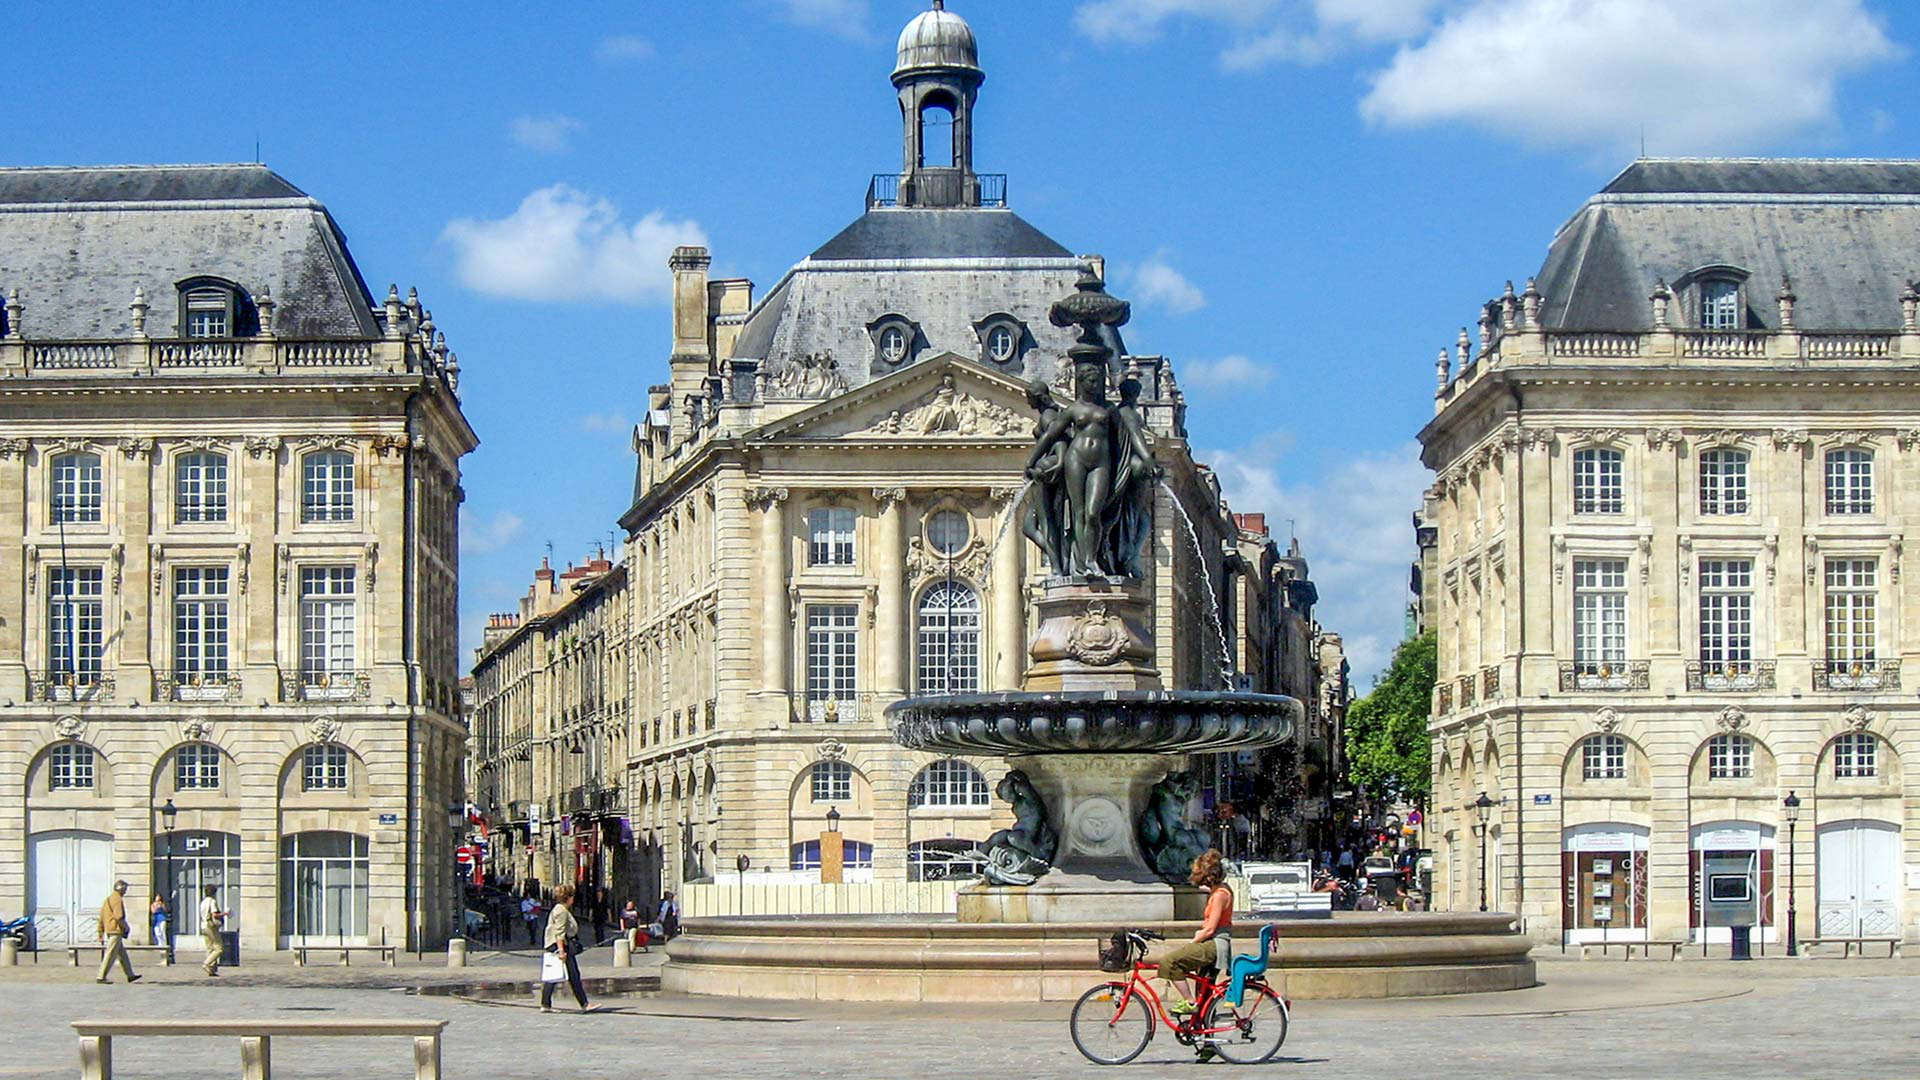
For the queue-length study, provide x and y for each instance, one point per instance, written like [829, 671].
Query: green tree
[1387, 749]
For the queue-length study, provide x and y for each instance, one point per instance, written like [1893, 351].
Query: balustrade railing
[1836, 673]
[312, 686]
[1604, 675]
[69, 686]
[1595, 343]
[190, 354]
[195, 686]
[1741, 344]
[1729, 676]
[1832, 346]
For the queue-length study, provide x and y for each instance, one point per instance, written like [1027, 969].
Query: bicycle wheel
[1110, 1026]
[1255, 1030]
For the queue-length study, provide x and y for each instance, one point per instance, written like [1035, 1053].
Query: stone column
[890, 602]
[267, 575]
[15, 597]
[1007, 626]
[128, 569]
[776, 621]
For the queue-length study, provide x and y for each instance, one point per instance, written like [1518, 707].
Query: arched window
[1850, 482]
[1603, 757]
[208, 308]
[1856, 756]
[1730, 757]
[948, 783]
[70, 767]
[200, 487]
[936, 132]
[1598, 485]
[326, 486]
[944, 860]
[76, 488]
[949, 639]
[832, 781]
[1723, 482]
[196, 767]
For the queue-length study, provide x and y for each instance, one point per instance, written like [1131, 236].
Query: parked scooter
[20, 930]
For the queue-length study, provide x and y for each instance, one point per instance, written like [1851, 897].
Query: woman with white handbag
[562, 958]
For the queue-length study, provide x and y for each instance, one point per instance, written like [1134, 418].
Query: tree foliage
[1387, 749]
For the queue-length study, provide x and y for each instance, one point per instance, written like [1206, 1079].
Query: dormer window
[1002, 339]
[209, 308]
[1714, 297]
[1720, 305]
[894, 340]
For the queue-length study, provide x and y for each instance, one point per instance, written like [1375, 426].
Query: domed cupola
[938, 76]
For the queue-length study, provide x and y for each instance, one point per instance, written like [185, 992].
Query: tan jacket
[561, 925]
[113, 915]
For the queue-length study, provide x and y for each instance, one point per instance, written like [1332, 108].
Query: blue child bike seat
[1244, 967]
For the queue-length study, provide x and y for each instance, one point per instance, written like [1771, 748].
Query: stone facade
[1675, 480]
[228, 564]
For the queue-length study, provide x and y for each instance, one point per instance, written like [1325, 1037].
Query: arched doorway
[1859, 882]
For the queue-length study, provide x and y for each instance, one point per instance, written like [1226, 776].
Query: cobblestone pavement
[1766, 1019]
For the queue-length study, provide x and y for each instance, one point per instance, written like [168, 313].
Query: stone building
[1676, 473]
[229, 483]
[822, 524]
[551, 686]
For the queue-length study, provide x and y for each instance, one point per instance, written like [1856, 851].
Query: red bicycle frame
[1140, 985]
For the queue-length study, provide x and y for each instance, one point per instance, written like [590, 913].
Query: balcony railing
[1466, 691]
[938, 188]
[1444, 699]
[1856, 674]
[1590, 343]
[1489, 683]
[1603, 675]
[315, 686]
[69, 686]
[1724, 676]
[1741, 344]
[188, 355]
[833, 710]
[195, 686]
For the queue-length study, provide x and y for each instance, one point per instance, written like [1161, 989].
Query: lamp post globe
[1790, 809]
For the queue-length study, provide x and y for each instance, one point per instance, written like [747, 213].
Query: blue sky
[1304, 198]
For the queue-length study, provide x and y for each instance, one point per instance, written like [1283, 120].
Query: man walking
[212, 921]
[113, 934]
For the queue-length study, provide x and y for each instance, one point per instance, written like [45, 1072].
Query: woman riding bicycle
[1180, 964]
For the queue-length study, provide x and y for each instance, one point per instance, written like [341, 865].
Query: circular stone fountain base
[913, 958]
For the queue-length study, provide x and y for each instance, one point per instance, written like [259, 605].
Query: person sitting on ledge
[1182, 963]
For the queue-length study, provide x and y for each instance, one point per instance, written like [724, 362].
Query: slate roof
[1847, 232]
[76, 241]
[944, 270]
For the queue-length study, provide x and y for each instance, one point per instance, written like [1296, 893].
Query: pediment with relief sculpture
[948, 397]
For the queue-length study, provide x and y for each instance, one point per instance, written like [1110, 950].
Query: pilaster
[890, 602]
[1007, 628]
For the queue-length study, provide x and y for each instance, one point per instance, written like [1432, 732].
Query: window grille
[1598, 481]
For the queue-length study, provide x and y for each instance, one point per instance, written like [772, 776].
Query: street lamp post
[1791, 806]
[1483, 806]
[168, 814]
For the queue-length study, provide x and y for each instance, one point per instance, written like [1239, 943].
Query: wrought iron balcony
[1856, 674]
[195, 686]
[1603, 675]
[69, 686]
[1490, 683]
[1444, 702]
[328, 686]
[1466, 691]
[1730, 676]
[833, 710]
[938, 188]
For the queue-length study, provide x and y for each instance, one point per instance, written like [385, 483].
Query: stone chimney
[692, 358]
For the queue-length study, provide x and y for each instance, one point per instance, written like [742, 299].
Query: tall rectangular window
[1850, 482]
[200, 624]
[326, 486]
[1852, 612]
[830, 651]
[76, 488]
[1723, 482]
[829, 536]
[1599, 614]
[1726, 616]
[200, 487]
[1598, 481]
[76, 637]
[326, 623]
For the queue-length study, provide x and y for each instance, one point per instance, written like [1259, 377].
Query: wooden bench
[388, 953]
[165, 952]
[1849, 945]
[256, 1039]
[1626, 948]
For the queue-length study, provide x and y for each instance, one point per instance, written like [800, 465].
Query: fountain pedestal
[1099, 872]
[1094, 634]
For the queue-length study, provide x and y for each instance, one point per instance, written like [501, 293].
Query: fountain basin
[1094, 722]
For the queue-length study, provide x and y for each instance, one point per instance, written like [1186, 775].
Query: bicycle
[1113, 1022]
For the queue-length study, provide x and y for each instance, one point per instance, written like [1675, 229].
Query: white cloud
[1705, 76]
[1231, 370]
[479, 536]
[1356, 530]
[1260, 32]
[1142, 20]
[562, 244]
[547, 134]
[848, 18]
[623, 49]
[603, 423]
[1156, 282]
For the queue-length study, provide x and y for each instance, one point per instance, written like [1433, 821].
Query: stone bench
[165, 952]
[388, 953]
[1587, 948]
[1849, 945]
[256, 1039]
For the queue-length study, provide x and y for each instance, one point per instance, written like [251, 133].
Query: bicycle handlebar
[1146, 935]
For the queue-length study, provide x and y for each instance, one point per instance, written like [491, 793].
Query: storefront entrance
[1731, 881]
[1604, 883]
[1859, 879]
[69, 874]
[200, 858]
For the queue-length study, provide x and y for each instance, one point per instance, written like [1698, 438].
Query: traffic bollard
[457, 953]
[622, 951]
